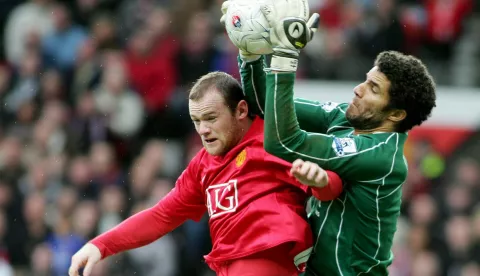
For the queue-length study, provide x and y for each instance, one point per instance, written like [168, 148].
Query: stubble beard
[360, 122]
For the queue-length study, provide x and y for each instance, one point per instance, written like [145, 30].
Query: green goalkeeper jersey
[354, 233]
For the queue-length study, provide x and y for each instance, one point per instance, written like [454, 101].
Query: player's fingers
[88, 268]
[296, 166]
[73, 270]
[312, 23]
[305, 168]
[269, 12]
[297, 163]
[321, 177]
[301, 179]
[312, 171]
[296, 175]
[301, 8]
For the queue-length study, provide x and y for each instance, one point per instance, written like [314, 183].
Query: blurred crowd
[439, 232]
[442, 32]
[94, 124]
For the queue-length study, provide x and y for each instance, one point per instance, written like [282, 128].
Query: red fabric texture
[272, 262]
[253, 203]
[332, 190]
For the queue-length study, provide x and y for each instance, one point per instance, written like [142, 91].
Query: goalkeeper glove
[290, 31]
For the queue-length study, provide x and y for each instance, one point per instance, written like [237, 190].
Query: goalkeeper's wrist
[284, 63]
[247, 57]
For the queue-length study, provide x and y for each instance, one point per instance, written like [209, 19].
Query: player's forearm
[283, 136]
[311, 116]
[253, 83]
[282, 131]
[138, 230]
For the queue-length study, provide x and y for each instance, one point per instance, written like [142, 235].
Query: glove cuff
[246, 57]
[283, 64]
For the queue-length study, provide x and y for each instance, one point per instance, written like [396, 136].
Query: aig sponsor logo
[222, 198]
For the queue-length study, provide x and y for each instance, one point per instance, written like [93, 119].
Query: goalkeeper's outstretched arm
[312, 117]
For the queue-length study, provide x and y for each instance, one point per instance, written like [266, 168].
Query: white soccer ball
[247, 27]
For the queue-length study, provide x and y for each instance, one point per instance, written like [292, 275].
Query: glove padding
[290, 31]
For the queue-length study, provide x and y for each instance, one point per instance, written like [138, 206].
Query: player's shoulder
[386, 141]
[199, 160]
[381, 155]
[254, 151]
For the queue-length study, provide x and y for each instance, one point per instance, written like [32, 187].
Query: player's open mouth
[209, 141]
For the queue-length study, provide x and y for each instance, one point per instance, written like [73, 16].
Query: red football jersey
[249, 197]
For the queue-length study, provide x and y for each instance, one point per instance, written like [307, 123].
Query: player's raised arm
[283, 134]
[185, 201]
[313, 116]
[253, 83]
[285, 139]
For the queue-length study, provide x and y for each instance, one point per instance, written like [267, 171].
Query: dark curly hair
[412, 87]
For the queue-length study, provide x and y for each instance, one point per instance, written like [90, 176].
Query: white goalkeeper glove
[290, 31]
[244, 56]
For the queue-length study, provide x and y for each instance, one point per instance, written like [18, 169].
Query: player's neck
[244, 127]
[383, 128]
[241, 129]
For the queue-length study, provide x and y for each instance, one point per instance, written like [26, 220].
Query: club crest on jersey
[236, 21]
[222, 198]
[343, 146]
[241, 157]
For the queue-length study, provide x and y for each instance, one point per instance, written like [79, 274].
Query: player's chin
[214, 149]
[352, 111]
[351, 107]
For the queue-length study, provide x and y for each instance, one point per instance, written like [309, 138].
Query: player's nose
[204, 129]
[358, 91]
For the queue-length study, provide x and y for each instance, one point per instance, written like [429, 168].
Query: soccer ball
[247, 27]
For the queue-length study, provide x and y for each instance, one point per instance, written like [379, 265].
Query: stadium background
[94, 124]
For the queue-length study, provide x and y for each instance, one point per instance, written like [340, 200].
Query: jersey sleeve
[253, 84]
[333, 189]
[312, 116]
[190, 193]
[359, 157]
[183, 202]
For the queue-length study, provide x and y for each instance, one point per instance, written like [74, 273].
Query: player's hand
[309, 173]
[245, 56]
[86, 257]
[290, 31]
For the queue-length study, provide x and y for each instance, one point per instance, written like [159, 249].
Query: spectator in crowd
[60, 46]
[27, 24]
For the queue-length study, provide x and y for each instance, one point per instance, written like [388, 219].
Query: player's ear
[397, 115]
[242, 110]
